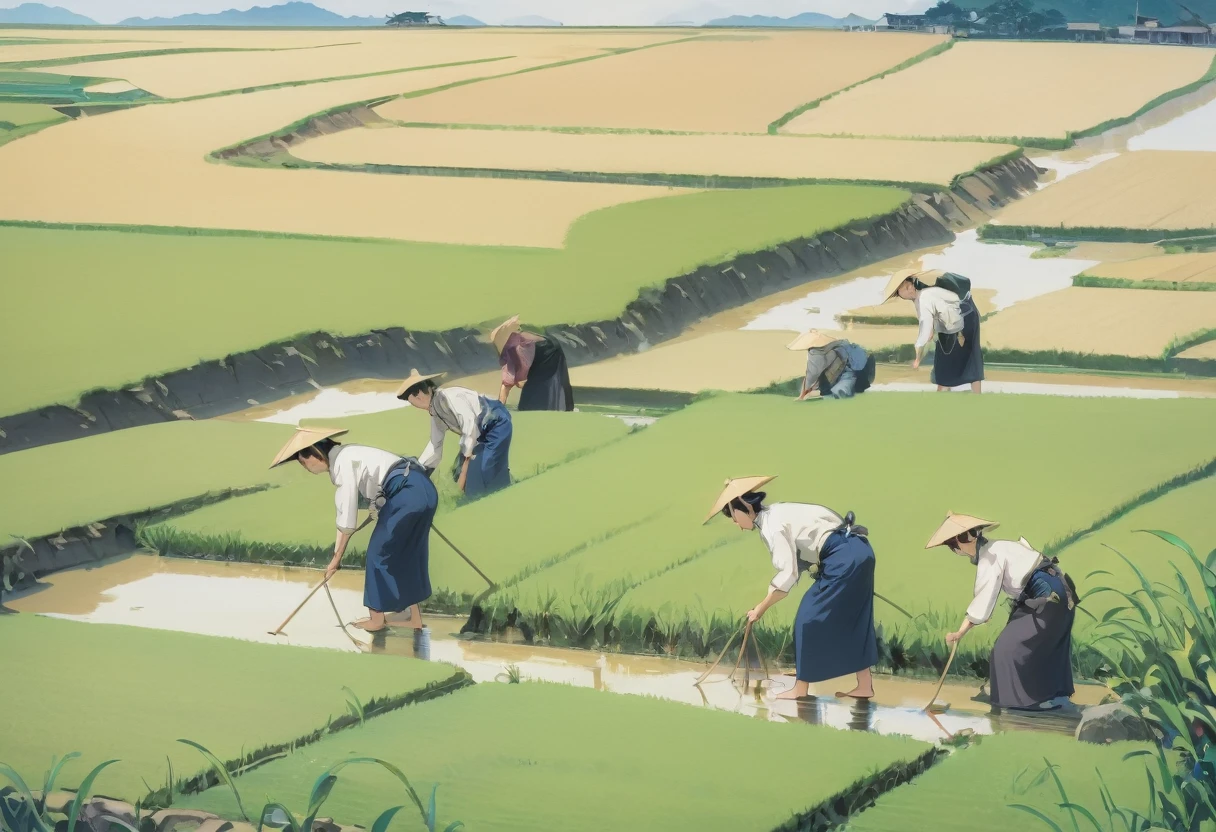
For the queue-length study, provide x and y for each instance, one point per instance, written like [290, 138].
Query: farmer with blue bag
[834, 628]
[944, 308]
[483, 425]
[835, 367]
[398, 555]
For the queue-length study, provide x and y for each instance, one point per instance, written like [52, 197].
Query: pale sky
[569, 12]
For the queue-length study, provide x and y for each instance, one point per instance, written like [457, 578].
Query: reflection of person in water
[944, 306]
[834, 627]
[483, 424]
[398, 556]
[536, 365]
[834, 367]
[1032, 658]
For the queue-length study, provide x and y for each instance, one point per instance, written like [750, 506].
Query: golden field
[1132, 322]
[147, 165]
[1146, 189]
[51, 51]
[1191, 267]
[734, 360]
[340, 53]
[698, 155]
[1007, 89]
[733, 82]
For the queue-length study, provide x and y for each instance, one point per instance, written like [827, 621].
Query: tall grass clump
[1157, 644]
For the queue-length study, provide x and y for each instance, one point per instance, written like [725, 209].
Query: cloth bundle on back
[535, 364]
[834, 367]
[943, 306]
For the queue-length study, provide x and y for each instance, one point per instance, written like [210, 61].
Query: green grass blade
[453, 826]
[84, 792]
[385, 818]
[1085, 813]
[222, 771]
[1172, 539]
[26, 795]
[320, 793]
[48, 785]
[291, 820]
[430, 809]
[1063, 794]
[1033, 811]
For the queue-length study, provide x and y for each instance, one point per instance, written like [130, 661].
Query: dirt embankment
[24, 561]
[293, 367]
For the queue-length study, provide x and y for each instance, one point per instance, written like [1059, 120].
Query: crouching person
[834, 367]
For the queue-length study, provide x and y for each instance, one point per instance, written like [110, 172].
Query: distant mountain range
[806, 20]
[37, 13]
[530, 20]
[288, 14]
[463, 20]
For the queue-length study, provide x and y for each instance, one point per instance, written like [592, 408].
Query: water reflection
[243, 600]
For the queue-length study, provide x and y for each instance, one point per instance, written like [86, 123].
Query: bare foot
[793, 694]
[857, 693]
[370, 625]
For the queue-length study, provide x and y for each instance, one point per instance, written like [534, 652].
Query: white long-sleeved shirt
[938, 311]
[793, 529]
[455, 409]
[357, 471]
[1000, 565]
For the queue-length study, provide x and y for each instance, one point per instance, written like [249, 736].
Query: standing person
[483, 424]
[398, 554]
[536, 365]
[1032, 658]
[834, 367]
[944, 305]
[834, 626]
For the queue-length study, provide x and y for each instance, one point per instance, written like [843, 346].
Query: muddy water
[246, 601]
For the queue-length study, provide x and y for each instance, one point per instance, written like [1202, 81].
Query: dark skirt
[954, 363]
[398, 554]
[489, 470]
[548, 385]
[834, 628]
[1032, 658]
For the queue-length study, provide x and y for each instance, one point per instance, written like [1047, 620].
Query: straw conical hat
[503, 331]
[415, 377]
[810, 340]
[303, 438]
[736, 488]
[929, 278]
[956, 524]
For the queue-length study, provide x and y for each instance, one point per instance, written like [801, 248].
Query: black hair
[976, 534]
[427, 386]
[321, 450]
[917, 284]
[752, 499]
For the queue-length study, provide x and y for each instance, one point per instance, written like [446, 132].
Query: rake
[933, 707]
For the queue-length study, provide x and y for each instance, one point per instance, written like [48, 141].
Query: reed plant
[1157, 643]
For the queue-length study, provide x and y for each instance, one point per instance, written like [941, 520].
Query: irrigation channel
[241, 600]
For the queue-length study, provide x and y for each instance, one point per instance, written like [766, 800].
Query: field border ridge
[1196, 474]
[775, 126]
[1090, 281]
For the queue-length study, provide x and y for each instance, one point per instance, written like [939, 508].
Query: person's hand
[916, 363]
[953, 638]
[334, 566]
[754, 615]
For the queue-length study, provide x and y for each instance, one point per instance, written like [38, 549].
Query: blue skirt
[398, 554]
[489, 470]
[834, 628]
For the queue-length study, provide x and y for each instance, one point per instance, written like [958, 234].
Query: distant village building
[1086, 31]
[415, 19]
[902, 23]
[1192, 32]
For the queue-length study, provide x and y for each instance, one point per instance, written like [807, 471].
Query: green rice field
[1038, 464]
[541, 756]
[974, 788]
[421, 286]
[128, 693]
[156, 465]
